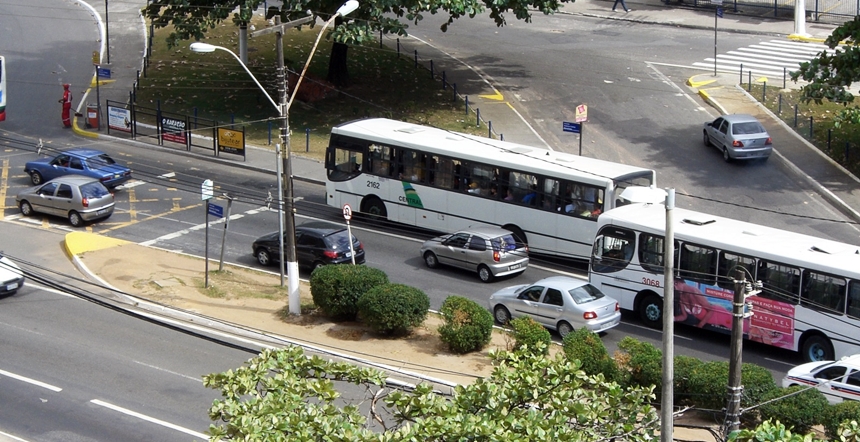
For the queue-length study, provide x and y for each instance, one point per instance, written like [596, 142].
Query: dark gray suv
[318, 243]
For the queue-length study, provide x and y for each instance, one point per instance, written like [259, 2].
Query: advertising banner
[119, 118]
[231, 141]
[173, 130]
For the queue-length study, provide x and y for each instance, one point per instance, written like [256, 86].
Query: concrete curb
[77, 243]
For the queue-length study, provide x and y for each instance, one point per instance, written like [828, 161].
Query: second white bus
[810, 301]
[446, 181]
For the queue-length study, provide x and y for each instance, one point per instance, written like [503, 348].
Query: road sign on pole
[207, 190]
[347, 215]
[347, 212]
[581, 113]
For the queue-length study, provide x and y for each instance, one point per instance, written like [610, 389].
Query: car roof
[487, 232]
[77, 180]
[852, 361]
[739, 118]
[85, 153]
[571, 283]
[320, 227]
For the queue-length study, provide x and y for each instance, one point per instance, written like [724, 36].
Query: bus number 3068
[651, 282]
[373, 184]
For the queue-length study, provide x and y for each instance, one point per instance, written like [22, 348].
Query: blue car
[88, 162]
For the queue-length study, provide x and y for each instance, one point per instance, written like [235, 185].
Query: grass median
[214, 86]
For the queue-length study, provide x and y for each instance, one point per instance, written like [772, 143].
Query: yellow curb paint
[698, 84]
[81, 242]
[496, 96]
[704, 95]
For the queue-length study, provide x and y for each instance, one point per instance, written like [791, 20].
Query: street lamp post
[288, 213]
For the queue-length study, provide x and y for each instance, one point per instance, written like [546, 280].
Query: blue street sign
[104, 72]
[216, 210]
[568, 126]
[719, 12]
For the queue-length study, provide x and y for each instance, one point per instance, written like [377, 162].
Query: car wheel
[485, 274]
[707, 139]
[263, 257]
[26, 208]
[374, 208]
[75, 219]
[726, 156]
[502, 315]
[651, 311]
[36, 178]
[564, 329]
[817, 348]
[431, 260]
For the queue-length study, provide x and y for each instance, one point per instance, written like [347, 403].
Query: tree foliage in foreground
[283, 395]
[191, 19]
[775, 431]
[832, 72]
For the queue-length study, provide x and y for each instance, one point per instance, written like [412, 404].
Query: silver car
[78, 198]
[489, 251]
[559, 303]
[738, 137]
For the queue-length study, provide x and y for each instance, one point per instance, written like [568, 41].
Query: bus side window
[823, 291]
[854, 299]
[780, 281]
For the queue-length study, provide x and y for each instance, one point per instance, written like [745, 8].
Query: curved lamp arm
[203, 48]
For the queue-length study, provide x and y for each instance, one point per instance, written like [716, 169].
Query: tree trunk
[338, 74]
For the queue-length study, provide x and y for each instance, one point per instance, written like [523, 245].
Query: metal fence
[828, 11]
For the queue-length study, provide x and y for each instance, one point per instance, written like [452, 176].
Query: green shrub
[337, 288]
[527, 333]
[468, 326]
[393, 308]
[588, 348]
[641, 364]
[836, 414]
[707, 384]
[799, 412]
[685, 369]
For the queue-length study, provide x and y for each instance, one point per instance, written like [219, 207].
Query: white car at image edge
[838, 380]
[11, 276]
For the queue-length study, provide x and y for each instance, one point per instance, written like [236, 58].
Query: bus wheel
[518, 233]
[651, 311]
[374, 208]
[817, 348]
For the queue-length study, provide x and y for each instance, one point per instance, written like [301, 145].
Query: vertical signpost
[718, 12]
[207, 190]
[579, 125]
[347, 215]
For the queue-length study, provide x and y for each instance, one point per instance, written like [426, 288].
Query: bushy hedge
[707, 384]
[587, 347]
[468, 326]
[641, 364]
[393, 308]
[337, 288]
[800, 411]
[527, 333]
[836, 414]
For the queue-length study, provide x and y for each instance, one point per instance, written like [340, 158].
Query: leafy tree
[192, 18]
[283, 395]
[831, 73]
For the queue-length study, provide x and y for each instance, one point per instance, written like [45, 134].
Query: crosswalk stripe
[772, 58]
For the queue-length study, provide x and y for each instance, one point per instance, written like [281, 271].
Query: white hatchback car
[489, 251]
[838, 380]
[11, 276]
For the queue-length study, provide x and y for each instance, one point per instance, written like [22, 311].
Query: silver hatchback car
[738, 137]
[489, 251]
[76, 197]
[560, 303]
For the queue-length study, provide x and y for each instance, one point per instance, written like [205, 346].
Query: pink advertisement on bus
[710, 307]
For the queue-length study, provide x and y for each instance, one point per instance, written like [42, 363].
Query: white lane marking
[168, 371]
[131, 184]
[141, 416]
[30, 381]
[168, 175]
[11, 436]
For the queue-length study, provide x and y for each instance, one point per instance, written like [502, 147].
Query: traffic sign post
[347, 215]
[576, 128]
[207, 192]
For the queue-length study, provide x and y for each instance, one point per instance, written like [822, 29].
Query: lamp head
[202, 48]
[348, 7]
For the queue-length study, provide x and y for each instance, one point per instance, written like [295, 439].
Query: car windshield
[751, 127]
[94, 190]
[339, 239]
[504, 243]
[586, 293]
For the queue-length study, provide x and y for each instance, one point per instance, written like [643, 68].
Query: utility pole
[733, 408]
[667, 423]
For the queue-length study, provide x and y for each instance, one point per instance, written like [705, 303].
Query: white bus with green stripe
[446, 181]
